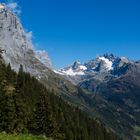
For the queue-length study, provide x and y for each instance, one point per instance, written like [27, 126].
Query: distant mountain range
[106, 88]
[103, 69]
[114, 79]
[102, 66]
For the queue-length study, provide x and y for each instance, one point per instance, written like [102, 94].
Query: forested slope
[26, 106]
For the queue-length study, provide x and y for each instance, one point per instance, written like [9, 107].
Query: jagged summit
[76, 64]
[103, 64]
[106, 65]
[18, 47]
[109, 56]
[75, 69]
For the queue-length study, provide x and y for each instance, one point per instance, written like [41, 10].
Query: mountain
[101, 69]
[102, 65]
[116, 81]
[18, 50]
[44, 58]
[18, 46]
[27, 107]
[39, 106]
[22, 97]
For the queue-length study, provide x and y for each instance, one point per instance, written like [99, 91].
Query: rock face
[102, 68]
[117, 81]
[18, 47]
[113, 82]
[44, 58]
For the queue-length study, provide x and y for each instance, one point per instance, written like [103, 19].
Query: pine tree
[27, 106]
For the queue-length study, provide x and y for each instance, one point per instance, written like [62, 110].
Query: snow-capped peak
[76, 69]
[102, 64]
[71, 72]
[108, 63]
[82, 67]
[78, 66]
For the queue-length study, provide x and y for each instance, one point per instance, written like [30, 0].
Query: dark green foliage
[26, 106]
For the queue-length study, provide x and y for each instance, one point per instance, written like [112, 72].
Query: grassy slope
[137, 132]
[4, 136]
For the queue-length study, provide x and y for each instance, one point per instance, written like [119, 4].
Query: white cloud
[29, 35]
[14, 7]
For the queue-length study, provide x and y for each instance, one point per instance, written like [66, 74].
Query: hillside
[26, 106]
[5, 136]
[79, 87]
[114, 85]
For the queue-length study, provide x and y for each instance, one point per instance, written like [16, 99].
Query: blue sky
[82, 29]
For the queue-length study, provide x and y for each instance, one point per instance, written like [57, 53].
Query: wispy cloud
[14, 7]
[29, 35]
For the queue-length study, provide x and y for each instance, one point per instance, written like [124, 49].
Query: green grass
[137, 132]
[137, 128]
[4, 136]
[137, 138]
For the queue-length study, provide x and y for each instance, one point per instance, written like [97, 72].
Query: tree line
[26, 106]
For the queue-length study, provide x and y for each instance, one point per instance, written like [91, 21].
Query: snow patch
[69, 72]
[73, 73]
[57, 72]
[83, 67]
[108, 63]
[73, 70]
